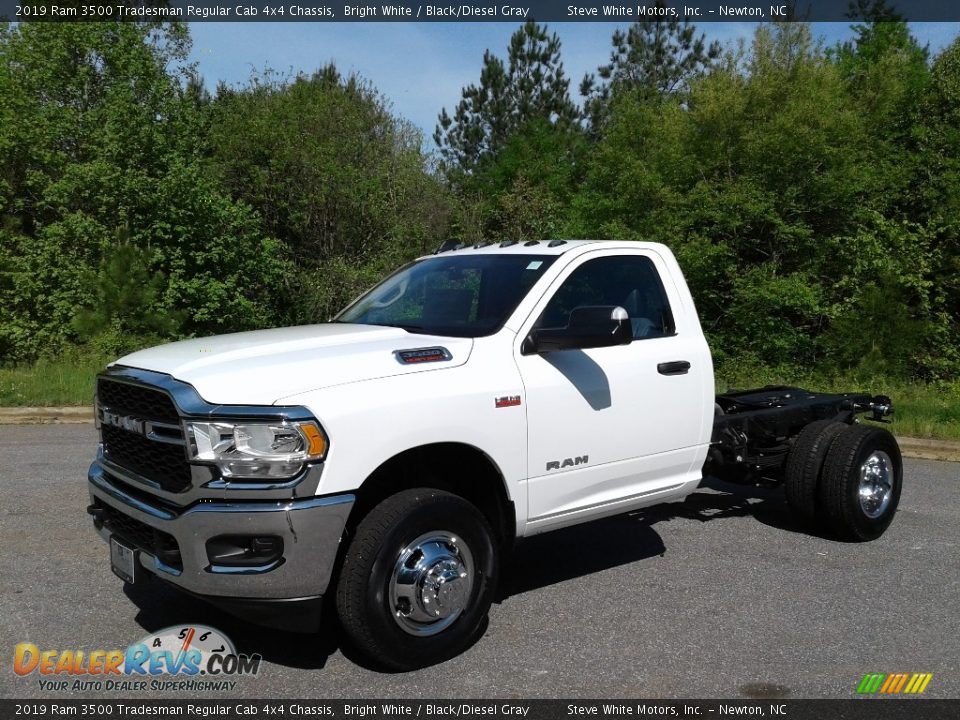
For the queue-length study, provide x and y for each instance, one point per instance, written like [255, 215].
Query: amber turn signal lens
[317, 443]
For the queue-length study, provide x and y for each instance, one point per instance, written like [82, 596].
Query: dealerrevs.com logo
[179, 658]
[894, 683]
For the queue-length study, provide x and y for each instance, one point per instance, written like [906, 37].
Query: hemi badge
[422, 355]
[507, 401]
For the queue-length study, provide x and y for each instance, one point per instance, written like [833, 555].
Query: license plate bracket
[124, 560]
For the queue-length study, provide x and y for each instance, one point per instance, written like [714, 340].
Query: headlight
[254, 449]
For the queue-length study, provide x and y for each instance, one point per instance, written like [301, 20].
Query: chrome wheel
[876, 484]
[431, 583]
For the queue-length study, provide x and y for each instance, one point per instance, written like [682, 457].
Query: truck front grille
[156, 542]
[137, 400]
[161, 461]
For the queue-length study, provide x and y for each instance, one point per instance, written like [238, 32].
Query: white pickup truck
[387, 459]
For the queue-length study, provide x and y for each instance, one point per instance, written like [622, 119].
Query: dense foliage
[100, 166]
[333, 176]
[812, 194]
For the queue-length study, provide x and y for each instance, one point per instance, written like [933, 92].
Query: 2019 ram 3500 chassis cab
[389, 458]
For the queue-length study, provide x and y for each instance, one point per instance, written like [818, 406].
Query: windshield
[466, 296]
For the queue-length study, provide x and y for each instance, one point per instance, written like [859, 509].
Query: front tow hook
[97, 513]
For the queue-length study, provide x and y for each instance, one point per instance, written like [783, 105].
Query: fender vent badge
[422, 355]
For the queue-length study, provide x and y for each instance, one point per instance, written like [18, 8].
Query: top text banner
[476, 11]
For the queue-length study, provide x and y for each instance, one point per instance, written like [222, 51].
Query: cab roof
[527, 247]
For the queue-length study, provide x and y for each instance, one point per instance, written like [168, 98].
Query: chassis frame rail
[753, 430]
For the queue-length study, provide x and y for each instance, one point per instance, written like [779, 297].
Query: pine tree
[653, 57]
[880, 32]
[530, 86]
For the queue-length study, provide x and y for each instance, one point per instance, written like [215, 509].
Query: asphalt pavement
[720, 596]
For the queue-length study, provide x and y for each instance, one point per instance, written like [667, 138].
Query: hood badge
[414, 356]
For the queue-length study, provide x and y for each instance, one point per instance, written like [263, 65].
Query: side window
[631, 281]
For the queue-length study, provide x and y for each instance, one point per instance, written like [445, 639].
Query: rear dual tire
[804, 466]
[845, 478]
[861, 483]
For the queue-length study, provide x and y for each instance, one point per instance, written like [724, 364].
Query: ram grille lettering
[124, 422]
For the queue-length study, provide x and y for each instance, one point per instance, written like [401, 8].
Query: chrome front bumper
[310, 527]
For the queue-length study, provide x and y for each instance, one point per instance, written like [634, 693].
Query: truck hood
[264, 366]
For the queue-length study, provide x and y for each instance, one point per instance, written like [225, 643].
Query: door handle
[677, 367]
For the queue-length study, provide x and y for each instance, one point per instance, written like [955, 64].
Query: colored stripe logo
[894, 683]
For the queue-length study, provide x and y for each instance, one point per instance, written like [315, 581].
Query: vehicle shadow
[717, 498]
[160, 606]
[573, 552]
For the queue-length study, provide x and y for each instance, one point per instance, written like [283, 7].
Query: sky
[422, 67]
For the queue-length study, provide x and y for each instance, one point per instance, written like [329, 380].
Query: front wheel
[417, 579]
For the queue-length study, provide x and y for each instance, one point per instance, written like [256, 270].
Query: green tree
[937, 135]
[654, 58]
[530, 86]
[96, 135]
[126, 293]
[513, 149]
[335, 176]
[887, 71]
[768, 181]
[886, 68]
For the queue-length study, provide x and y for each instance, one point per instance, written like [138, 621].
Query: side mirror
[588, 327]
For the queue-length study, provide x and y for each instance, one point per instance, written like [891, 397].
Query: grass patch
[50, 383]
[922, 410]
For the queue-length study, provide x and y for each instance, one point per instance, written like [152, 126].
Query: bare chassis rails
[753, 430]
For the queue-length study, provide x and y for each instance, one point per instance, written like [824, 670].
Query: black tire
[844, 512]
[370, 622]
[804, 466]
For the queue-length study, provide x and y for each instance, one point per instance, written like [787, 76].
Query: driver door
[616, 426]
